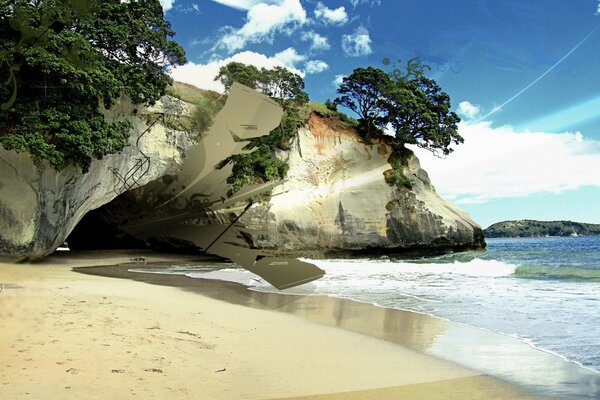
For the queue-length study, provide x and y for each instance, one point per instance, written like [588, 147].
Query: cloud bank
[501, 162]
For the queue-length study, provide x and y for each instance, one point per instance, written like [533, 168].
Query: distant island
[532, 228]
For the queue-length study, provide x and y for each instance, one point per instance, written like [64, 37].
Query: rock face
[40, 206]
[336, 202]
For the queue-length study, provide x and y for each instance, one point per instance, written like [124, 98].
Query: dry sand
[68, 335]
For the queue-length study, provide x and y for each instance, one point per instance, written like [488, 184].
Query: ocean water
[544, 291]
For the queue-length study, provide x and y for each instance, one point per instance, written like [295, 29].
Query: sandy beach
[68, 335]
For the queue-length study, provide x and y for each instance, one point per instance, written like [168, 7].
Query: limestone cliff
[336, 201]
[40, 206]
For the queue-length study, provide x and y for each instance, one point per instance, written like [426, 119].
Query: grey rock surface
[335, 201]
[40, 206]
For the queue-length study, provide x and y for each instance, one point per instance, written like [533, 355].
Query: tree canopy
[419, 113]
[61, 59]
[361, 92]
[278, 82]
[413, 106]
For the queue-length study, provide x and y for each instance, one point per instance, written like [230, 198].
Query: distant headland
[532, 228]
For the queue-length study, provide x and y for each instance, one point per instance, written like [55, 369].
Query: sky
[524, 75]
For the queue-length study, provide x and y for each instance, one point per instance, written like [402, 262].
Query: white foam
[241, 276]
[475, 267]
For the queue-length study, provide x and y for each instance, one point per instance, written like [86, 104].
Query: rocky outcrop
[336, 201]
[40, 206]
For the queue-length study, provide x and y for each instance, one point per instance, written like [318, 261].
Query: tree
[282, 85]
[419, 113]
[361, 92]
[245, 74]
[279, 83]
[412, 105]
[62, 59]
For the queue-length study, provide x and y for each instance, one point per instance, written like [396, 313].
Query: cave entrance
[96, 232]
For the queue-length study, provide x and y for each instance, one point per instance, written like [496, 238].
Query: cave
[94, 232]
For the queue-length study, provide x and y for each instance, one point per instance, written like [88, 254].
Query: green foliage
[336, 117]
[287, 89]
[61, 59]
[361, 92]
[205, 111]
[531, 228]
[411, 104]
[419, 113]
[279, 83]
[330, 105]
[245, 74]
[261, 165]
[395, 176]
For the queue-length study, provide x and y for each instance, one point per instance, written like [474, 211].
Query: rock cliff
[40, 206]
[335, 201]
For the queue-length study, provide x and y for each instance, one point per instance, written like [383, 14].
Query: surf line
[556, 64]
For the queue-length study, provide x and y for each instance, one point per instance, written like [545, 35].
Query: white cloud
[289, 58]
[315, 66]
[468, 110]
[202, 75]
[167, 4]
[189, 8]
[262, 22]
[317, 42]
[339, 79]
[372, 3]
[501, 162]
[330, 16]
[244, 4]
[357, 44]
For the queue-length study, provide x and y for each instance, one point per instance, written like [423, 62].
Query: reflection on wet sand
[412, 330]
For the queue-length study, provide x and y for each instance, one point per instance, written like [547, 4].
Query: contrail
[496, 109]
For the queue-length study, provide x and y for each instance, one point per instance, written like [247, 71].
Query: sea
[543, 291]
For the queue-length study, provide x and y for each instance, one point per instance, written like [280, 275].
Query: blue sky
[524, 76]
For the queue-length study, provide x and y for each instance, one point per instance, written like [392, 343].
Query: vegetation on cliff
[531, 228]
[411, 106]
[287, 89]
[61, 60]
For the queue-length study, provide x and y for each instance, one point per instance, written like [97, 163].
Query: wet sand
[65, 334]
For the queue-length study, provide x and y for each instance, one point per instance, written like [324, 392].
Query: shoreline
[552, 373]
[336, 349]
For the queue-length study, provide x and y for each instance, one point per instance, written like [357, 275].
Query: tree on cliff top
[278, 83]
[61, 59]
[412, 105]
[419, 113]
[361, 92]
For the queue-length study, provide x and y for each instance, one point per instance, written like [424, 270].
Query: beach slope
[69, 335]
